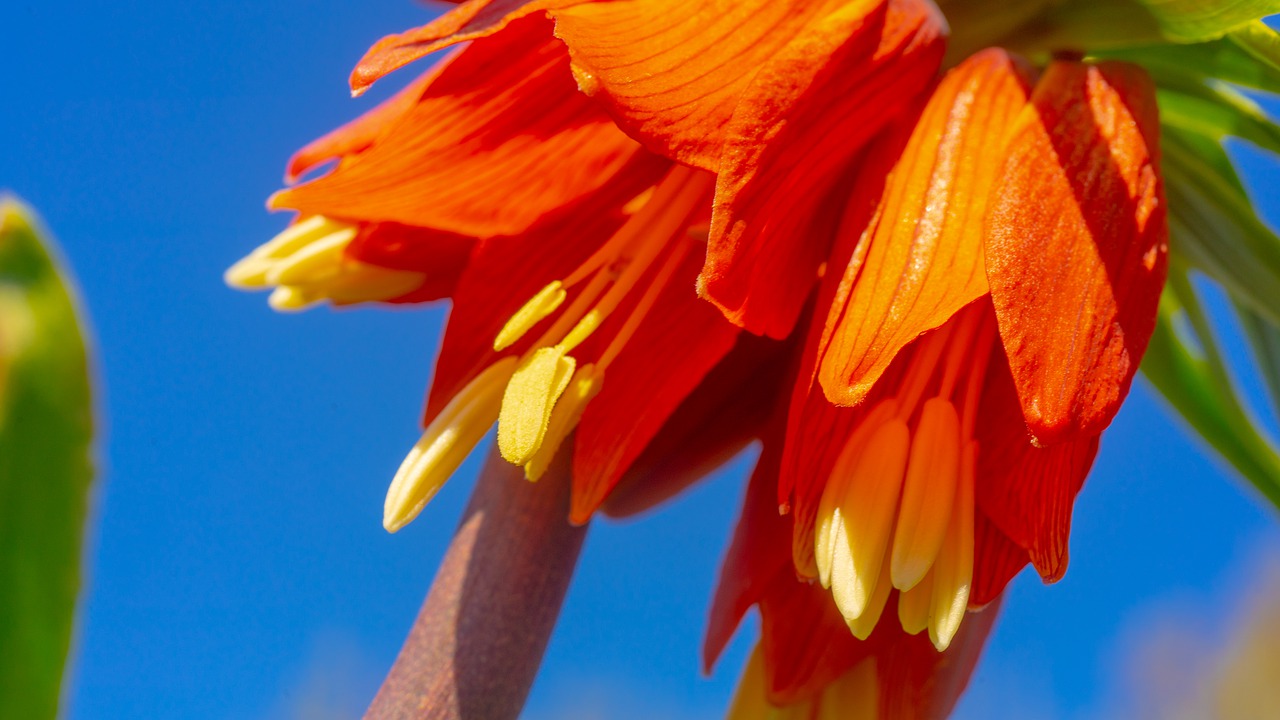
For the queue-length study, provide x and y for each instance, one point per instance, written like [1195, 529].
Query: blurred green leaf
[45, 468]
[1215, 112]
[1213, 225]
[1260, 42]
[1191, 374]
[1225, 59]
[1264, 337]
[1187, 21]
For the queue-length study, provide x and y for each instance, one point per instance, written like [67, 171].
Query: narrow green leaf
[1188, 21]
[1193, 378]
[45, 468]
[1260, 42]
[1215, 112]
[1225, 59]
[1213, 225]
[1264, 337]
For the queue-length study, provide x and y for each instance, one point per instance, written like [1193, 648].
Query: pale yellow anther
[932, 474]
[583, 329]
[586, 383]
[288, 298]
[445, 444]
[867, 510]
[547, 301]
[360, 282]
[829, 516]
[322, 258]
[529, 400]
[953, 570]
[914, 606]
[864, 624]
[251, 272]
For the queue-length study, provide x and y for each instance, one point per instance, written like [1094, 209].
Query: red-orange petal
[712, 425]
[675, 346]
[1026, 491]
[996, 560]
[672, 71]
[440, 257]
[816, 429]
[1077, 246]
[471, 20]
[496, 142]
[920, 683]
[793, 133]
[357, 135]
[924, 259]
[757, 557]
[805, 641]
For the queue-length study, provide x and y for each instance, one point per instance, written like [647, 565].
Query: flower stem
[476, 646]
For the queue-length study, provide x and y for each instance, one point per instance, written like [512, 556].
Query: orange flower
[1002, 259]
[988, 250]
[565, 243]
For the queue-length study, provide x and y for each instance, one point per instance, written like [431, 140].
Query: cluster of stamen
[538, 397]
[308, 263]
[898, 509]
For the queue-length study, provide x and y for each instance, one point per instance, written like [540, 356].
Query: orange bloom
[988, 249]
[986, 324]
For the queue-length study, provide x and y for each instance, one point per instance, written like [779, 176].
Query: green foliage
[46, 428]
[1189, 21]
[1214, 229]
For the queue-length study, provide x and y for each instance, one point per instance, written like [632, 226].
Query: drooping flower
[962, 272]
[577, 237]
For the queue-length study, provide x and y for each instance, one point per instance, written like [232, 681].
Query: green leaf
[1192, 376]
[1225, 59]
[1212, 223]
[1260, 42]
[1214, 111]
[45, 467]
[1188, 21]
[1264, 337]
[1108, 25]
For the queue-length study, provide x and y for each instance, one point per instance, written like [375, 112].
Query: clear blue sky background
[237, 565]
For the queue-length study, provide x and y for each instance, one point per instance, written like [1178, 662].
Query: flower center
[539, 398]
[897, 511]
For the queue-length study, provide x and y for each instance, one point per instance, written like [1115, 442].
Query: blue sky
[237, 565]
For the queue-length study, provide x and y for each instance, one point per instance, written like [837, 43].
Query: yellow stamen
[862, 625]
[583, 329]
[586, 383]
[953, 570]
[445, 444]
[828, 512]
[251, 271]
[932, 473]
[291, 299]
[547, 301]
[318, 260]
[867, 511]
[361, 282]
[528, 401]
[914, 606]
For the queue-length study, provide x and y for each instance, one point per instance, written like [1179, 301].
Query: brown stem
[476, 646]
